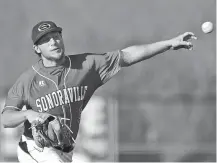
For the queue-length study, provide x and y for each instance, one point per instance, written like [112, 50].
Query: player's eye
[46, 38]
[56, 36]
[43, 40]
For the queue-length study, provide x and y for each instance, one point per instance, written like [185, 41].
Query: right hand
[33, 115]
[182, 41]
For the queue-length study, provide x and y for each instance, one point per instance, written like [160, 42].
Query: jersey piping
[63, 109]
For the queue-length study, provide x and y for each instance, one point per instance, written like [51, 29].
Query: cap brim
[57, 29]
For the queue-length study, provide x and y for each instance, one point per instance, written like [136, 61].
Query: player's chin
[58, 55]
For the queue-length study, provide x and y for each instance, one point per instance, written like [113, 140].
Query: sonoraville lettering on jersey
[61, 97]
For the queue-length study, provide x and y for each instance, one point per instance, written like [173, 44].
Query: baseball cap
[43, 28]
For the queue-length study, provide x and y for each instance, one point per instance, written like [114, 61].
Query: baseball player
[61, 85]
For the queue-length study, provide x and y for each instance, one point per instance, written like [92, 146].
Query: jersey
[63, 90]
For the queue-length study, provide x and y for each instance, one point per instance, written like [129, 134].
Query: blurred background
[160, 110]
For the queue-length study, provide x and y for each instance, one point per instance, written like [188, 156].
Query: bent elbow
[5, 126]
[4, 121]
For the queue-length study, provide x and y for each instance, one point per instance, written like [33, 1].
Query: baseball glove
[51, 133]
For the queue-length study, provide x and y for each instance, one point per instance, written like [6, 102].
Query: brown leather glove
[50, 132]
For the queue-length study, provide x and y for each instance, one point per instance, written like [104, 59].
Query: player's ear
[36, 48]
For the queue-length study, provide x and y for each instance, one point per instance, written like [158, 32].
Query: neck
[52, 63]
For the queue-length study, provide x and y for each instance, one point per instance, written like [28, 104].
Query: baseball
[207, 27]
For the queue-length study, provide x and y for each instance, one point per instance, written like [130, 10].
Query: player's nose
[52, 41]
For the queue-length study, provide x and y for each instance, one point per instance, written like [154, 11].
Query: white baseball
[207, 27]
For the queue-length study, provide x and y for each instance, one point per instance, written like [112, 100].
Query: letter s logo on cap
[44, 27]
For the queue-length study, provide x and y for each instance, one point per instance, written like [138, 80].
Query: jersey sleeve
[107, 65]
[15, 97]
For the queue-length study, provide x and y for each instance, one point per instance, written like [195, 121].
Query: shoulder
[84, 56]
[93, 59]
[22, 83]
[84, 59]
[26, 76]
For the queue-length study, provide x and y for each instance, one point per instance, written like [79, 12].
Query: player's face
[51, 46]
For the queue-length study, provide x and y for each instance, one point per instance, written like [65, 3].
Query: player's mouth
[56, 49]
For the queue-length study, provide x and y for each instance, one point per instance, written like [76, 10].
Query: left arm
[138, 53]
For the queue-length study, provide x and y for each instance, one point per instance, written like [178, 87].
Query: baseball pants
[28, 151]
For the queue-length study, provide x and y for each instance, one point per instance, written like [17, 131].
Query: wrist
[169, 44]
[27, 113]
